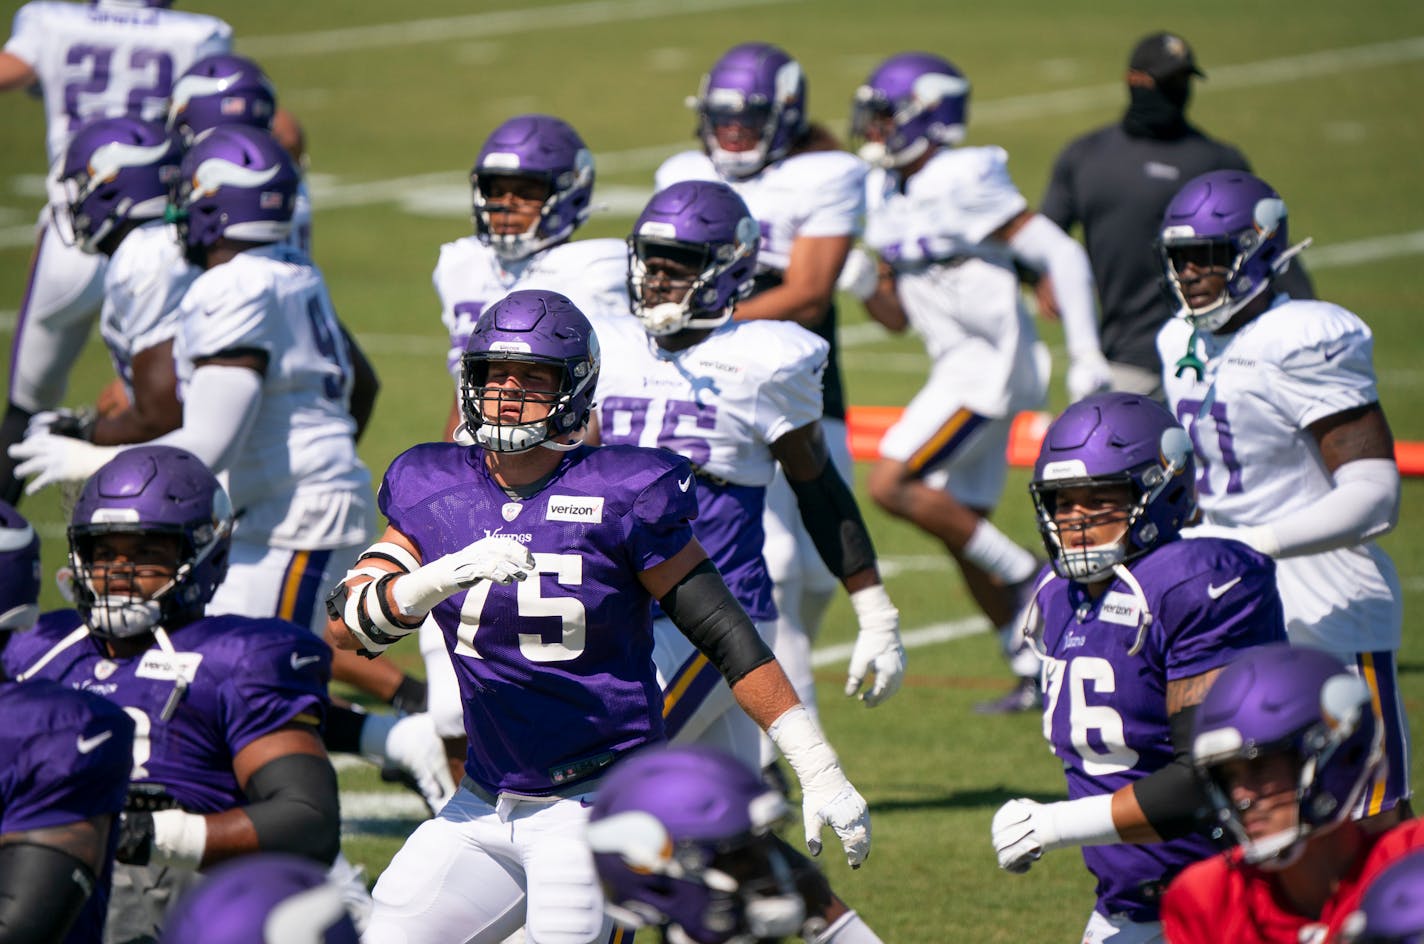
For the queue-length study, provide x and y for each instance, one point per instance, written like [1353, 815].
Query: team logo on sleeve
[582, 508]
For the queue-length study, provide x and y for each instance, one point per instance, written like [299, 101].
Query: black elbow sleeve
[833, 520]
[1172, 798]
[294, 807]
[42, 890]
[707, 613]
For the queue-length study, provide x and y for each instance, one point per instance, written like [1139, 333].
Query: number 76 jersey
[1203, 602]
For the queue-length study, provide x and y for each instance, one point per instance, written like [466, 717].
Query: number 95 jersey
[555, 672]
[1105, 712]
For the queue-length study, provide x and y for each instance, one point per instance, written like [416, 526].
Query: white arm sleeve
[1043, 245]
[1363, 504]
[219, 407]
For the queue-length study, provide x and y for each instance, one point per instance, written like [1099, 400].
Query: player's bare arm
[1360, 433]
[15, 73]
[807, 285]
[154, 409]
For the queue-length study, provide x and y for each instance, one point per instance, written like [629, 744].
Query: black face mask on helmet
[1158, 111]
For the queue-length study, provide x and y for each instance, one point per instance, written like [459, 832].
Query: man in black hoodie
[1117, 181]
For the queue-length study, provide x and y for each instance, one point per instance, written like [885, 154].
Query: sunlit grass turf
[1340, 142]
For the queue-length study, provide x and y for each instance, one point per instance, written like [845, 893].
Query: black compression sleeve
[833, 520]
[294, 807]
[1172, 797]
[42, 891]
[704, 609]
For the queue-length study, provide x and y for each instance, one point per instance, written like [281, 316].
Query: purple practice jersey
[556, 672]
[1106, 711]
[247, 678]
[67, 756]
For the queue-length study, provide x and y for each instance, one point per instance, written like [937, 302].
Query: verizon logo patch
[574, 508]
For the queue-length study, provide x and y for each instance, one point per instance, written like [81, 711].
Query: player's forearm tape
[369, 617]
[391, 553]
[42, 890]
[179, 839]
[1172, 797]
[294, 807]
[1044, 245]
[1363, 504]
[801, 742]
[704, 609]
[219, 406]
[833, 520]
[1086, 821]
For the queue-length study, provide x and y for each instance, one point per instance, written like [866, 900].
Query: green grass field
[396, 99]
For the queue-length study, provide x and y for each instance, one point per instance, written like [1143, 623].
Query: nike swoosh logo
[297, 663]
[1331, 355]
[87, 744]
[1216, 592]
[685, 484]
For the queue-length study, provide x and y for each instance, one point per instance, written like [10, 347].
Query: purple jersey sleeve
[68, 755]
[279, 678]
[660, 521]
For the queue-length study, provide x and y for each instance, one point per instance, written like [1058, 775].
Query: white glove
[76, 424]
[1260, 537]
[494, 558]
[1023, 830]
[827, 797]
[877, 646]
[415, 749]
[1087, 374]
[50, 459]
[860, 275]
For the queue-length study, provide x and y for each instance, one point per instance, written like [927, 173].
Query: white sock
[992, 551]
[848, 929]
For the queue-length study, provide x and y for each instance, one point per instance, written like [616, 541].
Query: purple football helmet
[1392, 909]
[1303, 703]
[705, 228]
[759, 87]
[916, 100]
[266, 898]
[114, 171]
[235, 182]
[532, 326]
[681, 837]
[543, 148]
[1114, 439]
[151, 491]
[222, 89]
[1231, 220]
[19, 572]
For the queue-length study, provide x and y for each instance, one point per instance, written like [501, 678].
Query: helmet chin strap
[664, 319]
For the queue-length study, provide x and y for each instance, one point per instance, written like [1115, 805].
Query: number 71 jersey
[1105, 713]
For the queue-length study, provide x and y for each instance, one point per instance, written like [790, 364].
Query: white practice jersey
[300, 450]
[959, 289]
[721, 402]
[469, 276]
[104, 61]
[819, 193]
[301, 236]
[146, 279]
[1248, 415]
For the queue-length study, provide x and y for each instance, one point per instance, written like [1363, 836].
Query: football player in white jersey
[1296, 457]
[102, 59]
[265, 380]
[950, 228]
[808, 197]
[739, 399]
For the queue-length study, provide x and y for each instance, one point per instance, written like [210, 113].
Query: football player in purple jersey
[1392, 908]
[683, 840]
[540, 558]
[266, 898]
[67, 757]
[1132, 624]
[741, 401]
[227, 753]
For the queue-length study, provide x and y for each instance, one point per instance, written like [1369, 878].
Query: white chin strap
[1277, 851]
[875, 152]
[662, 320]
[519, 438]
[739, 164]
[1090, 564]
[122, 616]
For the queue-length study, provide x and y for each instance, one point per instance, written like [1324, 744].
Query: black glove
[74, 425]
[412, 696]
[135, 838]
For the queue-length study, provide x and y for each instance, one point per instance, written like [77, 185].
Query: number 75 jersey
[1105, 712]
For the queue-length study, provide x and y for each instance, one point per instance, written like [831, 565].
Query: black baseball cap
[1163, 55]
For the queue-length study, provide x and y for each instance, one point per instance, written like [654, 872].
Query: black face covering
[1158, 112]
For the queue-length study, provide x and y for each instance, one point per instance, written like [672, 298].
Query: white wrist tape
[874, 609]
[179, 838]
[420, 591]
[1083, 822]
[800, 741]
[1043, 244]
